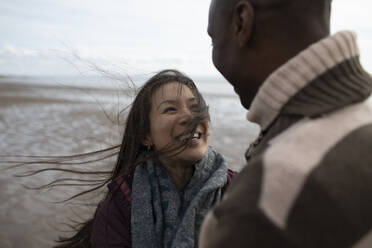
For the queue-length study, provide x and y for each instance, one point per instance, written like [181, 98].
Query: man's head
[252, 38]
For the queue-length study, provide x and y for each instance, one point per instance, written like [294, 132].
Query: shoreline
[53, 120]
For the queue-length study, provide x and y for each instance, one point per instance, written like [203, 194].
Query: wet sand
[54, 120]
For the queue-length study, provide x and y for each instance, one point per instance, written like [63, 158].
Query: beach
[58, 120]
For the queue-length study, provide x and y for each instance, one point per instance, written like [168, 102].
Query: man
[308, 182]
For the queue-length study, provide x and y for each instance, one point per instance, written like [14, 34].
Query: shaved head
[261, 4]
[252, 38]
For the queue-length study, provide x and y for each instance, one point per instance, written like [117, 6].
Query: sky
[69, 37]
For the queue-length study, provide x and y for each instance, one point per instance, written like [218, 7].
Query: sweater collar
[289, 79]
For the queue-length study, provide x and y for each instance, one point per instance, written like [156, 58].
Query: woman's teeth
[196, 135]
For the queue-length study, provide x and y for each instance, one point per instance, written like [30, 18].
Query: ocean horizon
[62, 116]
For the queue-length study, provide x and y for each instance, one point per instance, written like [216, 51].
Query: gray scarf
[163, 217]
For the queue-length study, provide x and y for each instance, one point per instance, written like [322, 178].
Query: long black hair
[137, 128]
[138, 121]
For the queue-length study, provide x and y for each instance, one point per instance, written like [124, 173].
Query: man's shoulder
[306, 184]
[309, 152]
[311, 138]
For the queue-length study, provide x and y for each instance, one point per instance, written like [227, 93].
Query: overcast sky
[132, 36]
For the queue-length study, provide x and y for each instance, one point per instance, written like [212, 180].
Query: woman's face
[171, 110]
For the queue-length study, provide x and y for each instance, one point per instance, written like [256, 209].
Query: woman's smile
[174, 106]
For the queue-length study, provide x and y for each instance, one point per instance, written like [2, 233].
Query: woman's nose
[186, 116]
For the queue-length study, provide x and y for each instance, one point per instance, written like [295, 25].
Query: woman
[166, 177]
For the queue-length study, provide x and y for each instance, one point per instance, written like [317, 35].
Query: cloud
[89, 60]
[166, 33]
[138, 35]
[9, 51]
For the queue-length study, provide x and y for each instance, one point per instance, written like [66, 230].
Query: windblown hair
[137, 127]
[138, 122]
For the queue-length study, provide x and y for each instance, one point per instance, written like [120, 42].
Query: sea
[51, 116]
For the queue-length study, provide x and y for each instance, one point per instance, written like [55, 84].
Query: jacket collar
[332, 64]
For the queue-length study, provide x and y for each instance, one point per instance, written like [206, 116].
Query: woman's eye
[169, 109]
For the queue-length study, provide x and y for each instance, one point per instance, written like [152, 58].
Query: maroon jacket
[111, 227]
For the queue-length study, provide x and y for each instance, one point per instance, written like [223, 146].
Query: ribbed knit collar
[289, 79]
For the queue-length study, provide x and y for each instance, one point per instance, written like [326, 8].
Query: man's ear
[243, 18]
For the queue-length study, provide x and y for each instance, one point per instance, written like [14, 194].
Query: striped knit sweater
[309, 181]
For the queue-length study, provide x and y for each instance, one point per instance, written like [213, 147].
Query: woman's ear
[243, 18]
[147, 142]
